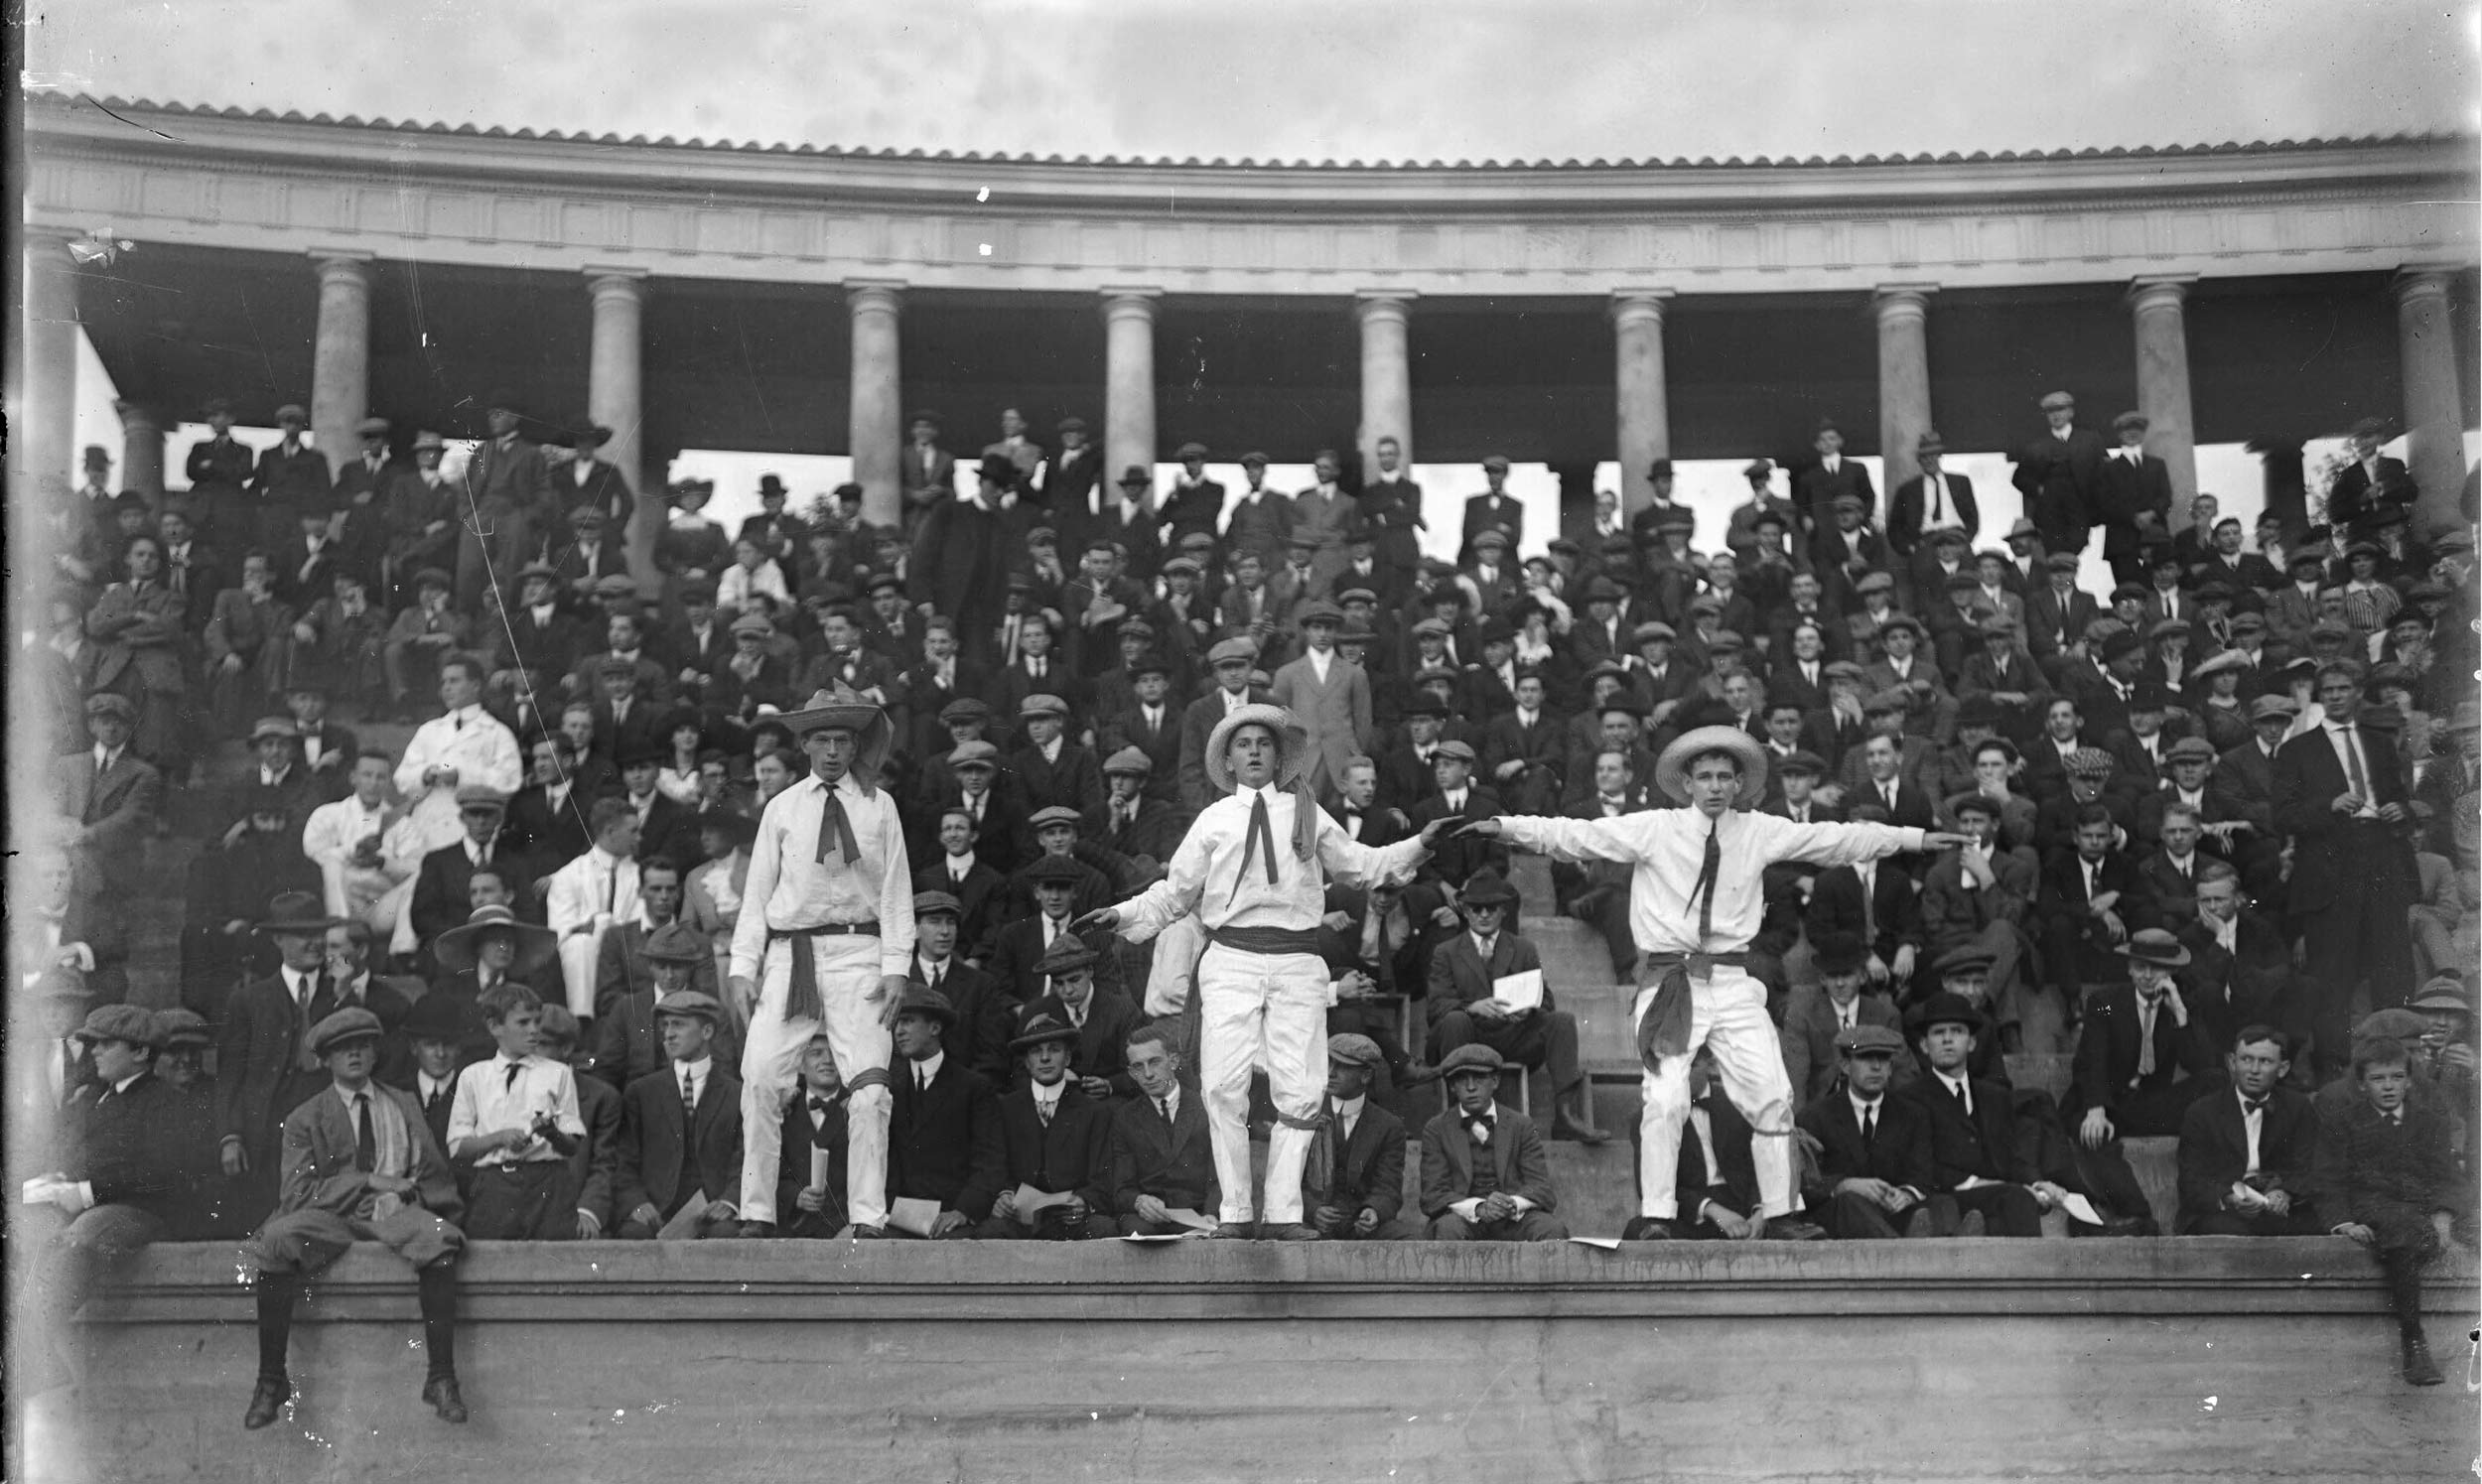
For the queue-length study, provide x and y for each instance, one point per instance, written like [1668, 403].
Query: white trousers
[1728, 1016]
[579, 952]
[1265, 1011]
[848, 970]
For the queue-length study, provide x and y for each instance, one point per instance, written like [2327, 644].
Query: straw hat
[1672, 769]
[1292, 743]
[855, 713]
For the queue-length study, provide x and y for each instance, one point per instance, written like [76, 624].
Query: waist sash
[1664, 1029]
[801, 994]
[1267, 939]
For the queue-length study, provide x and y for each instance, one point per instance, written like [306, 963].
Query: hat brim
[303, 925]
[1065, 1036]
[537, 946]
[868, 723]
[1672, 769]
[1291, 744]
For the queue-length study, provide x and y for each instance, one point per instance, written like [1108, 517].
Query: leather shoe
[1919, 1224]
[1972, 1225]
[761, 1229]
[266, 1398]
[869, 1232]
[441, 1392]
[1564, 1127]
[2419, 1368]
[1287, 1231]
[1232, 1231]
[1793, 1229]
[1647, 1229]
[2129, 1226]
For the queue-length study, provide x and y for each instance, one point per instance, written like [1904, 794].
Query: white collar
[697, 1070]
[1048, 1097]
[1350, 1109]
[928, 1067]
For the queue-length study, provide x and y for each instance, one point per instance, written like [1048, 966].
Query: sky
[1282, 80]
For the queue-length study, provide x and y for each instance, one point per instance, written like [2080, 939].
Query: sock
[438, 1292]
[277, 1294]
[2403, 1272]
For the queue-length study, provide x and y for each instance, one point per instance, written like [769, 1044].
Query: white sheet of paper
[1519, 991]
[684, 1223]
[819, 1161]
[1145, 1240]
[2081, 1209]
[1191, 1219]
[41, 1190]
[908, 1214]
[1607, 1244]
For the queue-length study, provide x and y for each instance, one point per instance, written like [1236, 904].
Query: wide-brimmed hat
[2446, 992]
[923, 1000]
[1292, 741]
[536, 946]
[296, 912]
[1672, 769]
[1068, 954]
[858, 714]
[1487, 888]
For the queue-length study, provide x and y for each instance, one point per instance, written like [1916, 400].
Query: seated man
[2239, 970]
[1464, 973]
[1160, 1153]
[598, 1154]
[514, 1126]
[1355, 1192]
[2245, 1155]
[1973, 1134]
[1018, 946]
[986, 1010]
[1817, 1015]
[1981, 896]
[2389, 1160]
[1716, 1178]
[1486, 1175]
[681, 1130]
[360, 1166]
[1873, 1173]
[943, 1134]
[2138, 1068]
[119, 1174]
[620, 963]
[1055, 1140]
[810, 1175]
[629, 1040]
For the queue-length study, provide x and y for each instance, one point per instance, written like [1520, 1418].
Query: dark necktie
[514, 1068]
[689, 1091]
[2352, 755]
[1710, 866]
[1964, 1096]
[1870, 1127]
[1261, 835]
[1164, 1106]
[365, 1144]
[833, 825]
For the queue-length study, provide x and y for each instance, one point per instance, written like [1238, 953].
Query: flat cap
[346, 1027]
[1868, 1041]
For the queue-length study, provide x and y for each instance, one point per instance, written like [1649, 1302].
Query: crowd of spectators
[471, 985]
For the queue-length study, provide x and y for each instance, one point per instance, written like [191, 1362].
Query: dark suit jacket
[1071, 1155]
[2335, 857]
[1371, 1172]
[986, 1017]
[1458, 976]
[943, 1143]
[2064, 899]
[1456, 860]
[2109, 1046]
[120, 1144]
[116, 811]
[1523, 1164]
[2228, 990]
[550, 838]
[1734, 1183]
[1961, 1148]
[1900, 1155]
[1905, 512]
[1018, 947]
[656, 1141]
[256, 1076]
[1170, 1162]
[1895, 913]
[2047, 618]
[982, 900]
[670, 832]
[441, 882]
[2124, 493]
[1814, 489]
[2215, 1150]
[597, 1159]
[792, 1166]
[318, 1173]
[2353, 497]
[1074, 780]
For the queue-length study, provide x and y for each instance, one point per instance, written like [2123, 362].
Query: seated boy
[1054, 1138]
[1972, 1130]
[681, 1128]
[2393, 1169]
[360, 1166]
[1354, 1184]
[943, 1127]
[1161, 1161]
[1486, 1177]
[515, 1118]
[810, 1186]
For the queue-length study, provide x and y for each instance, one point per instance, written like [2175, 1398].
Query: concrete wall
[1216, 1361]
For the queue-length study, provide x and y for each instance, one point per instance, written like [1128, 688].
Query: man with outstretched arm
[825, 939]
[1695, 899]
[1255, 868]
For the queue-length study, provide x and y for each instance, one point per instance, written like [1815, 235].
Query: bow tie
[821, 1105]
[2253, 1105]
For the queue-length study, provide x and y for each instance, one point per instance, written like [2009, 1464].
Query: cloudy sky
[1282, 79]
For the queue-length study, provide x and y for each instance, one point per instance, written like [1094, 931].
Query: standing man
[825, 940]
[2134, 503]
[1694, 901]
[1929, 500]
[1818, 485]
[1494, 510]
[2339, 793]
[1262, 986]
[1330, 696]
[2060, 473]
[1391, 506]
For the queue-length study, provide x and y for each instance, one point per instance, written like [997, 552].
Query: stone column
[1386, 374]
[1645, 421]
[615, 399]
[1128, 381]
[43, 444]
[2163, 380]
[341, 360]
[142, 452]
[875, 434]
[2434, 406]
[1903, 380]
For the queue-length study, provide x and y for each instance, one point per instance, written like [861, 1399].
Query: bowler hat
[1486, 888]
[1945, 1009]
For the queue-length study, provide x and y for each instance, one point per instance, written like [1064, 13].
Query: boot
[441, 1392]
[266, 1400]
[2419, 1368]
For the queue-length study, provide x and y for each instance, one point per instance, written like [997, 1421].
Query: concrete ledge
[1215, 1361]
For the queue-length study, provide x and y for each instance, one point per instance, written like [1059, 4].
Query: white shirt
[469, 739]
[333, 830]
[1956, 1087]
[1667, 846]
[487, 1101]
[2252, 1124]
[1048, 1099]
[794, 890]
[1320, 661]
[591, 884]
[1347, 1115]
[1204, 874]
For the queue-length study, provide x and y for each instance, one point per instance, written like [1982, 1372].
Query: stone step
[1573, 953]
[2156, 1164]
[1530, 873]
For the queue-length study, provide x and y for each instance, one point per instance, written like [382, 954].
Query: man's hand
[236, 1164]
[946, 1222]
[2280, 1202]
[1509, 769]
[1876, 968]
[1739, 1228]
[2048, 1196]
[1867, 1188]
[2347, 802]
[2095, 1130]
[1327, 1218]
[2111, 924]
[810, 1198]
[744, 994]
[230, 664]
[2394, 814]
[1495, 1207]
[890, 994]
[1094, 1087]
[1148, 1208]
[1484, 829]
[1945, 839]
[1902, 967]
[1976, 869]
[391, 1184]
[1487, 1009]
[1367, 1222]
[588, 1227]
[1445, 917]
[1107, 919]
[2356, 1231]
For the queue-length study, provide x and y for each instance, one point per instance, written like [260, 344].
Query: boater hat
[1672, 769]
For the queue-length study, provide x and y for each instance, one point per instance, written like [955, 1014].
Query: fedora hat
[1046, 1022]
[296, 912]
[536, 946]
[1672, 769]
[1487, 888]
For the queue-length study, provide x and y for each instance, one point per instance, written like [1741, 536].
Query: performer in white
[1694, 904]
[1255, 868]
[825, 939]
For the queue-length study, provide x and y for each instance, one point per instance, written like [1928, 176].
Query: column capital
[1901, 299]
[1631, 304]
[2160, 290]
[627, 283]
[1367, 300]
[336, 258]
[138, 415]
[1129, 300]
[2423, 280]
[864, 293]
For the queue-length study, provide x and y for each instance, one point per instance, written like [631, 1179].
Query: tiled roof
[118, 105]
